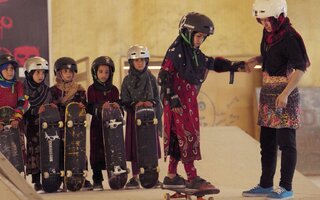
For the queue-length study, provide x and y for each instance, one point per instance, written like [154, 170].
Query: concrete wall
[87, 29]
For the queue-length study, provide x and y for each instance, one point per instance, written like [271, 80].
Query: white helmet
[35, 63]
[138, 51]
[269, 8]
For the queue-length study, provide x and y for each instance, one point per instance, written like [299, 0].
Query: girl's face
[103, 73]
[266, 24]
[38, 75]
[198, 38]
[8, 72]
[67, 75]
[139, 64]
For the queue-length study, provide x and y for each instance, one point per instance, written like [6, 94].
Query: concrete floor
[230, 160]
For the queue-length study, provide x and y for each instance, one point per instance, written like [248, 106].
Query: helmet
[196, 22]
[138, 51]
[7, 58]
[65, 63]
[102, 60]
[35, 63]
[269, 8]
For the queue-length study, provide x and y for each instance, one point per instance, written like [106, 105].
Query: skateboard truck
[114, 124]
[118, 170]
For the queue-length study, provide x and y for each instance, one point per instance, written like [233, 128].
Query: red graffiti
[5, 23]
[4, 50]
[22, 53]
[3, 1]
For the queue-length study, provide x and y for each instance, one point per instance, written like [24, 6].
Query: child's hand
[115, 105]
[41, 109]
[14, 124]
[81, 105]
[178, 110]
[139, 104]
[53, 105]
[106, 105]
[1, 127]
[148, 104]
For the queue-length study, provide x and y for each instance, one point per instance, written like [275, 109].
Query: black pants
[270, 139]
[97, 168]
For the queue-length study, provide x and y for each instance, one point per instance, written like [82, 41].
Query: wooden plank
[8, 191]
[12, 175]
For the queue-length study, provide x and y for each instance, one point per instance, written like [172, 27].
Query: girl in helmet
[183, 71]
[139, 88]
[38, 94]
[284, 60]
[66, 90]
[100, 94]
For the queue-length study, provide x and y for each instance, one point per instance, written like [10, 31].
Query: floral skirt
[269, 115]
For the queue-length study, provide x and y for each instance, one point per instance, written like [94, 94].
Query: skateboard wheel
[158, 169]
[44, 125]
[69, 173]
[141, 170]
[85, 173]
[210, 198]
[139, 122]
[62, 174]
[166, 196]
[85, 124]
[45, 175]
[60, 124]
[155, 121]
[69, 124]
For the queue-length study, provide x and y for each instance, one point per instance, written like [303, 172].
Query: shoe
[87, 186]
[97, 186]
[38, 188]
[158, 184]
[257, 191]
[280, 193]
[176, 182]
[199, 183]
[132, 184]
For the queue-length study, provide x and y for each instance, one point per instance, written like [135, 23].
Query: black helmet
[7, 58]
[102, 60]
[196, 22]
[65, 63]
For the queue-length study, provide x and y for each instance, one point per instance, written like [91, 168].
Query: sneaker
[158, 184]
[176, 182]
[280, 193]
[199, 183]
[87, 186]
[132, 184]
[97, 186]
[257, 191]
[38, 188]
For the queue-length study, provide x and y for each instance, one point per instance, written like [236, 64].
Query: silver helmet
[138, 51]
[35, 63]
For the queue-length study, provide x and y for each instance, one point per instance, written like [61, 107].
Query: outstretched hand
[250, 64]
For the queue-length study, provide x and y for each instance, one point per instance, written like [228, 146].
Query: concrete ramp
[231, 161]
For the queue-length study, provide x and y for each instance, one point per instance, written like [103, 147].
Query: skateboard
[113, 140]
[75, 147]
[147, 154]
[185, 193]
[50, 126]
[10, 145]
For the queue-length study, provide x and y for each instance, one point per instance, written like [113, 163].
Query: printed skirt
[269, 115]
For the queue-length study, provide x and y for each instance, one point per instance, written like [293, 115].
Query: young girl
[139, 88]
[183, 71]
[38, 94]
[12, 93]
[284, 60]
[100, 94]
[66, 90]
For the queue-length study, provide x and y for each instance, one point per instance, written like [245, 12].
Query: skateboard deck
[147, 151]
[75, 147]
[113, 140]
[10, 145]
[50, 127]
[185, 193]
